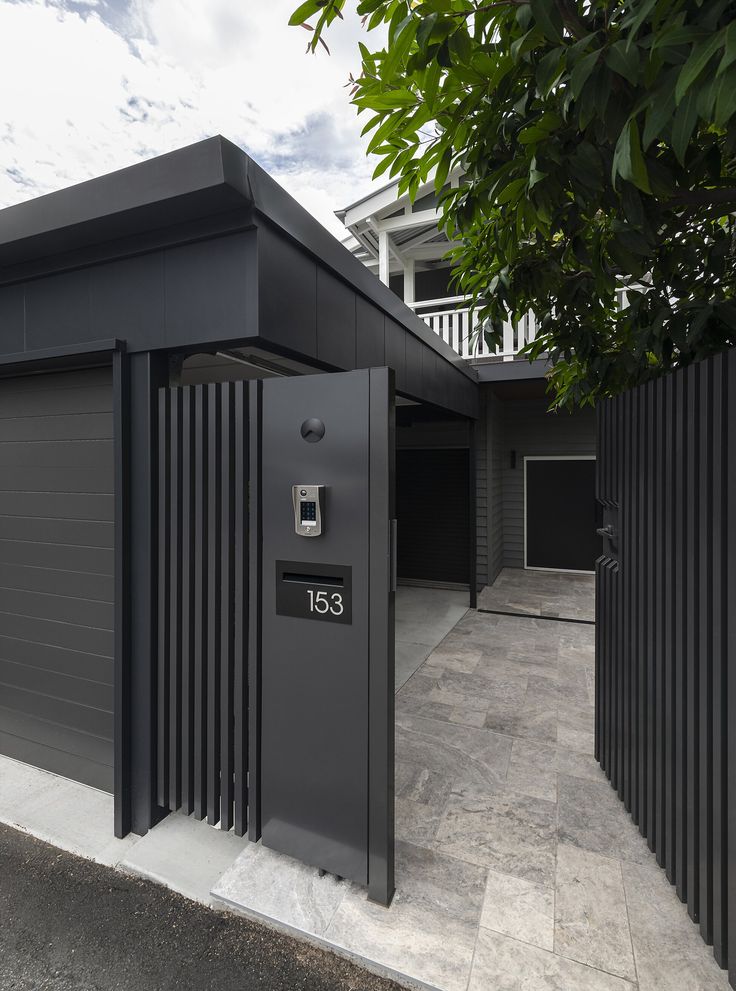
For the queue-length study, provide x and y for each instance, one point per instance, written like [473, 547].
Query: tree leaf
[548, 19]
[658, 114]
[399, 46]
[304, 11]
[431, 83]
[683, 125]
[624, 60]
[633, 23]
[511, 191]
[443, 168]
[628, 160]
[729, 54]
[725, 98]
[697, 61]
[580, 74]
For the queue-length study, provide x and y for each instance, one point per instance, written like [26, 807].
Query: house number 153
[321, 602]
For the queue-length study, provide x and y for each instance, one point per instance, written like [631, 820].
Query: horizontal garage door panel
[25, 403]
[44, 428]
[58, 454]
[97, 561]
[63, 505]
[57, 573]
[79, 585]
[92, 771]
[64, 609]
[73, 715]
[84, 638]
[45, 657]
[89, 481]
[56, 736]
[75, 533]
[81, 691]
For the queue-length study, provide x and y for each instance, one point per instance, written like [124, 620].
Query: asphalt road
[70, 925]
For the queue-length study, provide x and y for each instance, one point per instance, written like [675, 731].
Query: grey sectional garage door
[56, 573]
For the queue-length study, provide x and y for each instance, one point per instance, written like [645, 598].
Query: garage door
[56, 573]
[433, 511]
[561, 513]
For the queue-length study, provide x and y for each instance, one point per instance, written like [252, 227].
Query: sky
[90, 86]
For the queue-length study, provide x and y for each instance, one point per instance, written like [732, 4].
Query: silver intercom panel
[309, 509]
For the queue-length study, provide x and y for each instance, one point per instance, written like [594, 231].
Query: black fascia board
[208, 178]
[512, 371]
[161, 192]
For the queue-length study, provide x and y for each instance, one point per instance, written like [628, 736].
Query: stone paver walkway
[541, 593]
[517, 867]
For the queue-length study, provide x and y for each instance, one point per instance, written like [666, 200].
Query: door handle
[606, 531]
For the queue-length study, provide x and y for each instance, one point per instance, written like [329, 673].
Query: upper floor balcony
[406, 247]
[451, 319]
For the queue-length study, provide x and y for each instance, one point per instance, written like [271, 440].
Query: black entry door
[561, 514]
[433, 509]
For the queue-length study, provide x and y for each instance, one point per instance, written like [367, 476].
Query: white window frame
[552, 457]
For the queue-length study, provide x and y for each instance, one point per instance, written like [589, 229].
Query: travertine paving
[541, 593]
[517, 867]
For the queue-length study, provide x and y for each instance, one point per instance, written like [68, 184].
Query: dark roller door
[433, 510]
[56, 573]
[561, 514]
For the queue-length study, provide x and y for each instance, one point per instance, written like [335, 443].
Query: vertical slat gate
[664, 623]
[202, 706]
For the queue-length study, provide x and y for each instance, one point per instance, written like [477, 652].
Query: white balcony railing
[453, 323]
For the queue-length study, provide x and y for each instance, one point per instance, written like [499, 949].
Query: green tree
[597, 139]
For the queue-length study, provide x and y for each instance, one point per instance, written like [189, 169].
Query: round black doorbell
[313, 430]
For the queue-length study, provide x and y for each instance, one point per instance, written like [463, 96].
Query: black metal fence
[665, 604]
[202, 705]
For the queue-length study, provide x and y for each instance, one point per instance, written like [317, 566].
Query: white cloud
[88, 88]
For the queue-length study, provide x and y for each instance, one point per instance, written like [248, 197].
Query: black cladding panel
[12, 326]
[57, 310]
[335, 321]
[126, 297]
[396, 352]
[208, 288]
[287, 294]
[370, 350]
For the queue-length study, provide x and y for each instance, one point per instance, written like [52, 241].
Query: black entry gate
[274, 679]
[666, 629]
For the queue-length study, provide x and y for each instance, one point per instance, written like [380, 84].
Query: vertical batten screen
[202, 703]
[666, 628]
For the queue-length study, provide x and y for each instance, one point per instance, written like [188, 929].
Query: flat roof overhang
[512, 371]
[202, 248]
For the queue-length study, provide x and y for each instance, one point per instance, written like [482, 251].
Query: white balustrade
[458, 329]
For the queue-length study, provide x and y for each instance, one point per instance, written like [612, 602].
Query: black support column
[135, 777]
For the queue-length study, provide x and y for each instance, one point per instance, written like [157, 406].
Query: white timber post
[383, 266]
[409, 281]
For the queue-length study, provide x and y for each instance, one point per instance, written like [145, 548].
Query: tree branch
[722, 196]
[486, 7]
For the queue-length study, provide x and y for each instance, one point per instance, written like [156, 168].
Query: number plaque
[314, 591]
